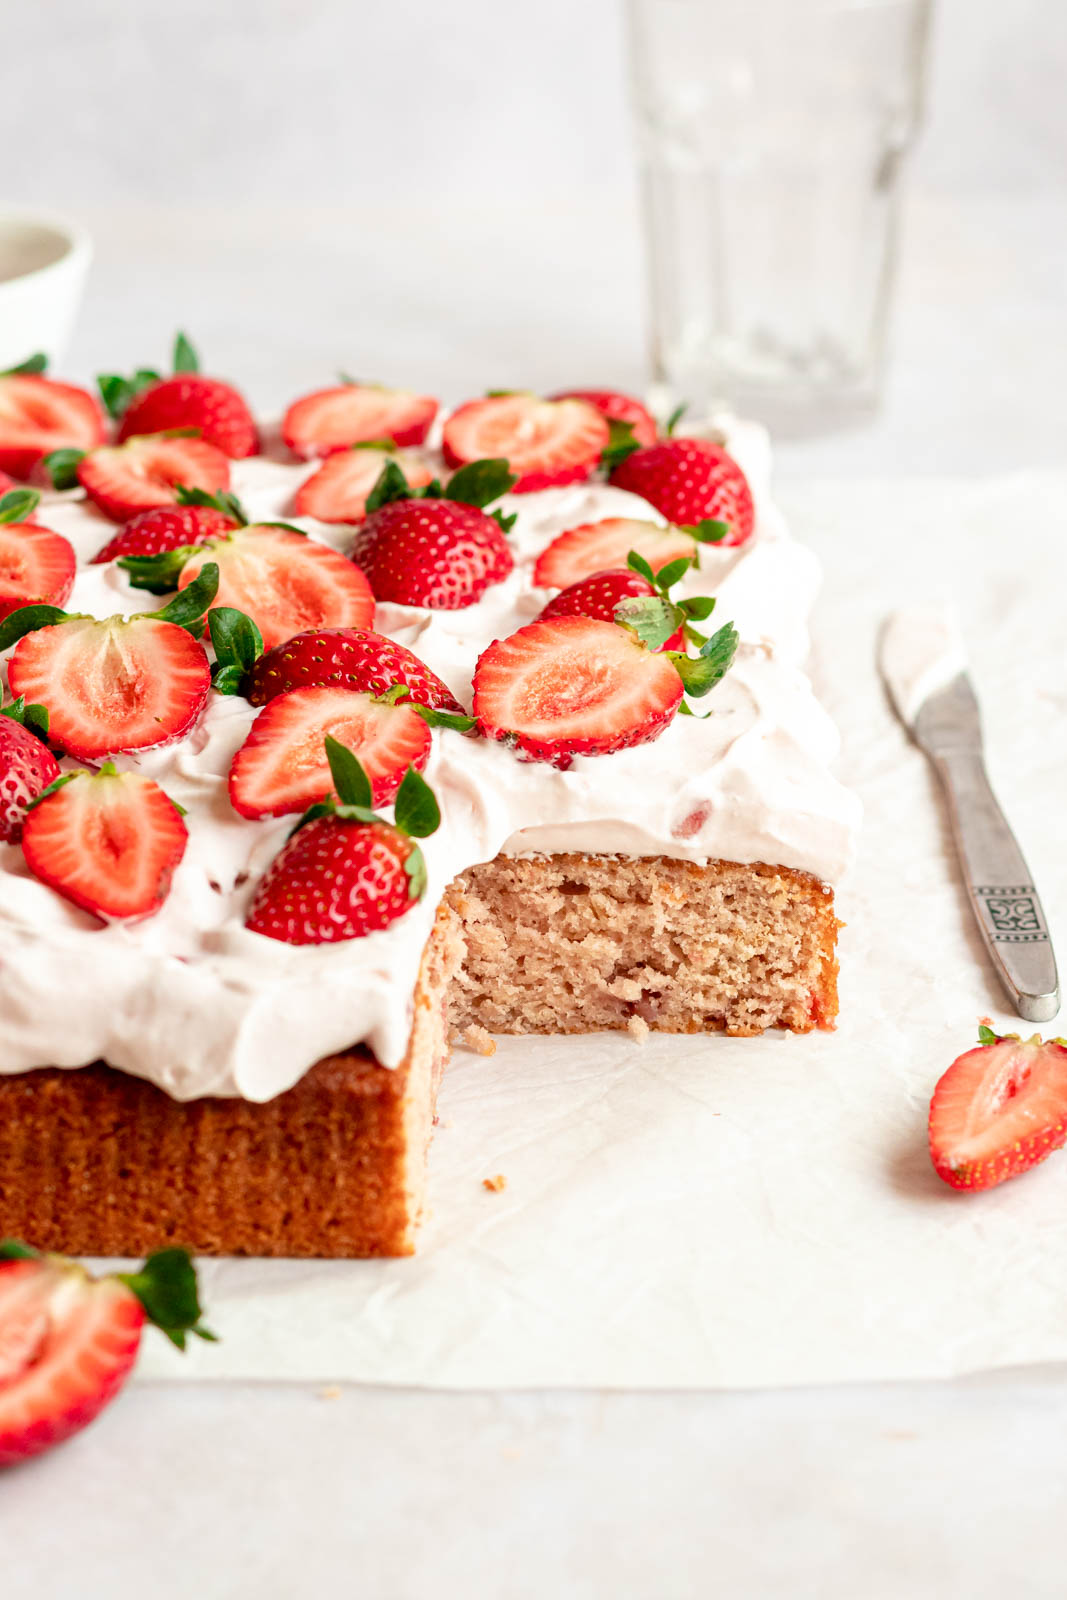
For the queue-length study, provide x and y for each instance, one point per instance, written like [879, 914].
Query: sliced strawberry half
[68, 1341]
[124, 479]
[108, 841]
[35, 563]
[999, 1110]
[355, 413]
[285, 582]
[598, 546]
[38, 415]
[338, 491]
[617, 408]
[545, 442]
[121, 683]
[573, 686]
[152, 533]
[355, 658]
[282, 765]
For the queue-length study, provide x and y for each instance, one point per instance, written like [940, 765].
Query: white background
[443, 194]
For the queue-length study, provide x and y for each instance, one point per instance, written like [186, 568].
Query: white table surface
[897, 1490]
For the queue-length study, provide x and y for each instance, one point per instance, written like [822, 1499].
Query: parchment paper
[708, 1212]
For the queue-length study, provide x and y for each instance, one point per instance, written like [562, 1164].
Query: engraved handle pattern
[1006, 905]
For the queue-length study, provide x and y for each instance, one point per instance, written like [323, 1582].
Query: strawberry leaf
[116, 392]
[32, 367]
[675, 418]
[391, 485]
[700, 606]
[669, 575]
[166, 1287]
[415, 868]
[621, 444]
[185, 359]
[187, 608]
[443, 719]
[62, 467]
[637, 563]
[27, 619]
[158, 574]
[18, 504]
[33, 717]
[349, 775]
[987, 1036]
[388, 445]
[650, 617]
[480, 482]
[700, 674]
[416, 810]
[58, 783]
[708, 531]
[222, 501]
[237, 643]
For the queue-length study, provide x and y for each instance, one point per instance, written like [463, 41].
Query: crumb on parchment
[494, 1185]
[637, 1028]
[479, 1039]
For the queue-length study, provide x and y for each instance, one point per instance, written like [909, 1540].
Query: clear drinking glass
[771, 136]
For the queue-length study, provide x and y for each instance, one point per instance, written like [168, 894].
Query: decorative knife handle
[1006, 906]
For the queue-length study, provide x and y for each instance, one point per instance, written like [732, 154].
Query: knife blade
[924, 665]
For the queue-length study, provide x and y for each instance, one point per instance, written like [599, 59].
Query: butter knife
[925, 669]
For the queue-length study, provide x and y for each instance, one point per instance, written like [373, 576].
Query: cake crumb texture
[495, 1185]
[574, 943]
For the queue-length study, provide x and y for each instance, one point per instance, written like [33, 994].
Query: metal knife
[924, 667]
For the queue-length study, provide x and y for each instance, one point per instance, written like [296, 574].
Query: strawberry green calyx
[119, 393]
[18, 504]
[675, 418]
[238, 645]
[477, 484]
[700, 673]
[222, 500]
[987, 1036]
[32, 367]
[647, 615]
[400, 694]
[27, 619]
[189, 606]
[621, 443]
[166, 1287]
[185, 358]
[416, 813]
[33, 717]
[62, 467]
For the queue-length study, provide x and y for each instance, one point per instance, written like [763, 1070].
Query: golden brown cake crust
[96, 1162]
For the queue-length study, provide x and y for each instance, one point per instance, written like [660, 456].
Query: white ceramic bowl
[43, 266]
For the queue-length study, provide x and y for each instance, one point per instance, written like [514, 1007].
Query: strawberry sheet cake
[324, 744]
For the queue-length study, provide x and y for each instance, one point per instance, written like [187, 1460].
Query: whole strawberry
[346, 872]
[431, 547]
[691, 481]
[27, 766]
[68, 1342]
[149, 403]
[349, 658]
